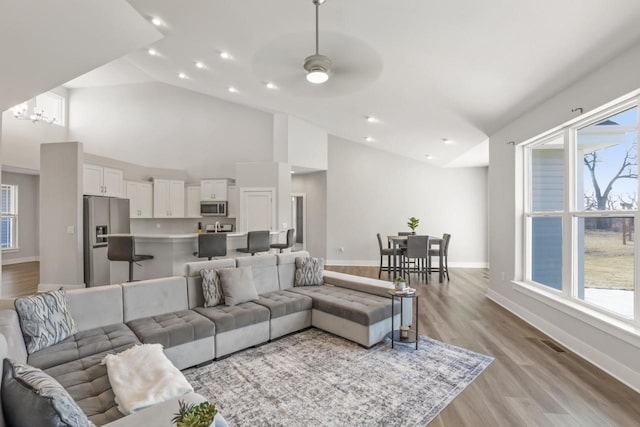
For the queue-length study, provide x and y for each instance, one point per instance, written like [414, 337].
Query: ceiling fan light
[317, 76]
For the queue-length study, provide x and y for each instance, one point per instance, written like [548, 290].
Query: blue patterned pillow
[45, 319]
[32, 397]
[309, 271]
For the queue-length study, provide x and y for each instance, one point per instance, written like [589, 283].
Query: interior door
[258, 209]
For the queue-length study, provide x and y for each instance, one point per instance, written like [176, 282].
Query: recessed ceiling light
[156, 21]
[428, 156]
[292, 172]
[372, 119]
[447, 141]
[232, 89]
[199, 65]
[183, 76]
[271, 85]
[368, 139]
[152, 52]
[225, 55]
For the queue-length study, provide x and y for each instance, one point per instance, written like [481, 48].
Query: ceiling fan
[317, 66]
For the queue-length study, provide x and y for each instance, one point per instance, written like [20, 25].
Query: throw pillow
[309, 271]
[30, 397]
[237, 285]
[211, 287]
[45, 319]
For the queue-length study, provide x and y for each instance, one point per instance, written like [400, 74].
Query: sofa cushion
[45, 319]
[86, 343]
[30, 397]
[281, 303]
[228, 318]
[359, 307]
[309, 271]
[211, 287]
[172, 329]
[87, 382]
[264, 271]
[237, 285]
[154, 297]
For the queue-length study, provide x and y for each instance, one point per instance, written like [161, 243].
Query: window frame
[14, 215]
[61, 100]
[570, 213]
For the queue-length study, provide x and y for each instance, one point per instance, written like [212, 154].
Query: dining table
[396, 241]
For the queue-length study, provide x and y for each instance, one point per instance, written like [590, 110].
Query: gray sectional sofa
[171, 311]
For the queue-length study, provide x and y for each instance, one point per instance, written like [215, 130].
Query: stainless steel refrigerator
[102, 216]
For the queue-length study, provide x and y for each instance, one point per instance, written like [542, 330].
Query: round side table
[395, 334]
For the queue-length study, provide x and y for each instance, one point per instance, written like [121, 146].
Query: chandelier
[21, 112]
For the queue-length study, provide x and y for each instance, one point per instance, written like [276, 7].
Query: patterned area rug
[313, 378]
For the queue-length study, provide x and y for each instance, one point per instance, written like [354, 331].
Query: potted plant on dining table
[413, 224]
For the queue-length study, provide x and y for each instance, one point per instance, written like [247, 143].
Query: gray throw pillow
[211, 287]
[31, 397]
[237, 285]
[45, 319]
[309, 272]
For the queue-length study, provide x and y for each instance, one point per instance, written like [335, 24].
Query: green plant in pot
[399, 283]
[413, 224]
[192, 415]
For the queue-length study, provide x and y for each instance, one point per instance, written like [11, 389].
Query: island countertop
[182, 236]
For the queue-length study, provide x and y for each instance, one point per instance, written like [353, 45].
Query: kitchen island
[170, 253]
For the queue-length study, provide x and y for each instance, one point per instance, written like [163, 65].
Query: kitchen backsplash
[175, 226]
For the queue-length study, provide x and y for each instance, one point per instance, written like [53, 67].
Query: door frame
[304, 218]
[242, 227]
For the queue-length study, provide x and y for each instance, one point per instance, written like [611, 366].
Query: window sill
[10, 250]
[625, 331]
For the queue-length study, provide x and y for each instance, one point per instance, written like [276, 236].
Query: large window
[580, 210]
[9, 218]
[52, 107]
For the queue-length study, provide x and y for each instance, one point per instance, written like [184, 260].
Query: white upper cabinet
[140, 195]
[101, 181]
[168, 198]
[193, 201]
[213, 190]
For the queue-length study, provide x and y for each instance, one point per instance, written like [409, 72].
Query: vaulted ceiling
[426, 70]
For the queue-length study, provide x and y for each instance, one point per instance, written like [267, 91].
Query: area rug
[313, 378]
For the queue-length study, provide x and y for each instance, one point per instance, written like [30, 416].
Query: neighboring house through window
[9, 221]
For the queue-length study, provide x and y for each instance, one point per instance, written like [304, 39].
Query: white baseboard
[369, 263]
[603, 361]
[19, 260]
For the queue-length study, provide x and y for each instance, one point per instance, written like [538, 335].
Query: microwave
[213, 208]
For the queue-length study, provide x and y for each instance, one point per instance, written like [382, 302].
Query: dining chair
[446, 238]
[417, 250]
[388, 252]
[404, 233]
[257, 241]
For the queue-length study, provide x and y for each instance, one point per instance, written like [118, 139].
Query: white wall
[371, 191]
[61, 254]
[28, 201]
[314, 185]
[299, 143]
[620, 357]
[155, 124]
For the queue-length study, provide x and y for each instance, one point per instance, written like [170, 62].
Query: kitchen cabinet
[234, 201]
[193, 201]
[101, 181]
[168, 198]
[213, 190]
[140, 195]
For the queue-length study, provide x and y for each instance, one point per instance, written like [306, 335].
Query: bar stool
[211, 245]
[257, 241]
[283, 246]
[123, 248]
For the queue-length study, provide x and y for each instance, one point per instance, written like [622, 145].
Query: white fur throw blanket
[143, 376]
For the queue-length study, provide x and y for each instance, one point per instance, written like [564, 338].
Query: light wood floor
[529, 384]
